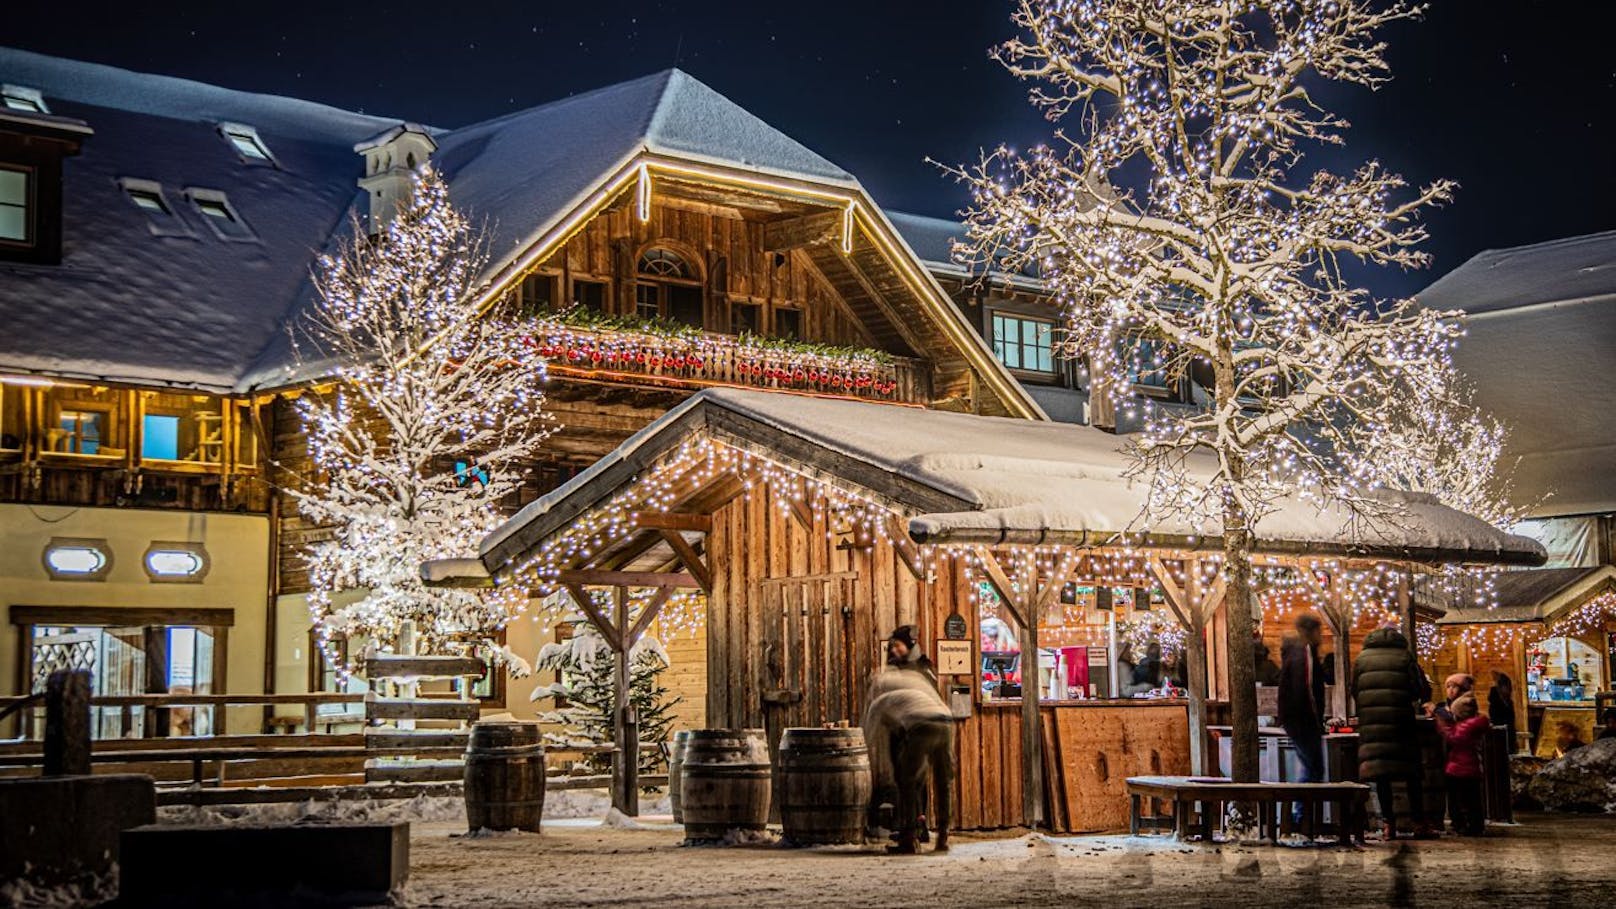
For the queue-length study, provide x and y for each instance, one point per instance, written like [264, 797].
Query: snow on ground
[1548, 859]
[562, 805]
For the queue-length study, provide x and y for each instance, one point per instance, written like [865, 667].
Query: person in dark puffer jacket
[1387, 686]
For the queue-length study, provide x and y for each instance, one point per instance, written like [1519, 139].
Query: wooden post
[626, 767]
[154, 641]
[1032, 741]
[67, 723]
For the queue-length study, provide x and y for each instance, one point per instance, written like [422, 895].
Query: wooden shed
[813, 527]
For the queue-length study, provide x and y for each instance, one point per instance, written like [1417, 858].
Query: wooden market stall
[1552, 631]
[816, 526]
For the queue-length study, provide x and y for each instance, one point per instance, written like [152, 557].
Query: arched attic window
[667, 287]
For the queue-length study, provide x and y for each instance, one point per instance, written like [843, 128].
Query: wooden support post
[67, 723]
[626, 768]
[154, 641]
[1023, 606]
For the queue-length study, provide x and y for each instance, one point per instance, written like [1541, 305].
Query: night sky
[1517, 108]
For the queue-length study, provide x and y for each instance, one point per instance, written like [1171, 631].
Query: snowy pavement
[581, 862]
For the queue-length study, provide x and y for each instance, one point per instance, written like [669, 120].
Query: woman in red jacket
[1465, 732]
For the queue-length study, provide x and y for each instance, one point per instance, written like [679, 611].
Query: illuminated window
[16, 198]
[80, 431]
[27, 100]
[220, 215]
[1146, 363]
[72, 559]
[176, 563]
[245, 140]
[160, 437]
[1023, 343]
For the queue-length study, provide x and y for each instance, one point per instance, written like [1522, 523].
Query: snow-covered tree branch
[1171, 217]
[430, 409]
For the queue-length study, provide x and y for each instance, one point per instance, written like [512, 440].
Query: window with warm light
[160, 437]
[80, 432]
[179, 563]
[71, 559]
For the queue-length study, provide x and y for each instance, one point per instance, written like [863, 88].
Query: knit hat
[905, 635]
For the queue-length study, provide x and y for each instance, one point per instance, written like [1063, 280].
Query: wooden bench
[1196, 805]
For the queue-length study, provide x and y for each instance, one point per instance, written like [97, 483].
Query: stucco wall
[237, 579]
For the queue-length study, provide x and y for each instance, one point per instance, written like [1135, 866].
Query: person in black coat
[1301, 696]
[1387, 686]
[1501, 705]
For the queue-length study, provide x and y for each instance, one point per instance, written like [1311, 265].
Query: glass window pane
[13, 222]
[13, 187]
[160, 437]
[248, 146]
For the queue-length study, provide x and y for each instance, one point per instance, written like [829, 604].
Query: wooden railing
[711, 360]
[310, 704]
[294, 766]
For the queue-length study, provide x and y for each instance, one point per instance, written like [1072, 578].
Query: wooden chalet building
[161, 235]
[1540, 348]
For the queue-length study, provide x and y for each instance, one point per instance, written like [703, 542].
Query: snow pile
[420, 808]
[25, 894]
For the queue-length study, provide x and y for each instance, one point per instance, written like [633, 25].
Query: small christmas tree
[586, 692]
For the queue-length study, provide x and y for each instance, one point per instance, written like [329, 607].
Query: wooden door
[810, 676]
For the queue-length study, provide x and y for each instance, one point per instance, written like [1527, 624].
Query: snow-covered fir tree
[586, 692]
[431, 408]
[1168, 219]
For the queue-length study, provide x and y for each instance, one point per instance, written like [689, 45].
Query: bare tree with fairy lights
[430, 408]
[1170, 227]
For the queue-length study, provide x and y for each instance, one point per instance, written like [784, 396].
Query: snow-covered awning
[967, 479]
[1534, 596]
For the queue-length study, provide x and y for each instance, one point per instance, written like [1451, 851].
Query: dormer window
[220, 215]
[27, 100]
[150, 201]
[247, 143]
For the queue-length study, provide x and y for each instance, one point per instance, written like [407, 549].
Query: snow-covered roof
[170, 302]
[967, 478]
[1539, 349]
[178, 305]
[933, 239]
[1536, 595]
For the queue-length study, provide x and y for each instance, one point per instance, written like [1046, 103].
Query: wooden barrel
[824, 786]
[724, 782]
[504, 776]
[676, 759]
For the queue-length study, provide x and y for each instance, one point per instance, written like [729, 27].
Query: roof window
[247, 143]
[220, 215]
[148, 196]
[16, 97]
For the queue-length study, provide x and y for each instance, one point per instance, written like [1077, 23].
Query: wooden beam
[1176, 599]
[1065, 571]
[674, 521]
[693, 562]
[907, 552]
[800, 512]
[818, 228]
[608, 631]
[613, 559]
[1001, 583]
[648, 614]
[881, 303]
[626, 578]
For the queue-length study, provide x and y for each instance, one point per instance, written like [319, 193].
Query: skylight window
[28, 100]
[247, 143]
[148, 200]
[148, 196]
[220, 215]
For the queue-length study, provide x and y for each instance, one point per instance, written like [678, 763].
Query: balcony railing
[697, 360]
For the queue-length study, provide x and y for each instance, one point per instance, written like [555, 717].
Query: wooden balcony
[705, 360]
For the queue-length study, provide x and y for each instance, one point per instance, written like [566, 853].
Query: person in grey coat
[1388, 687]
